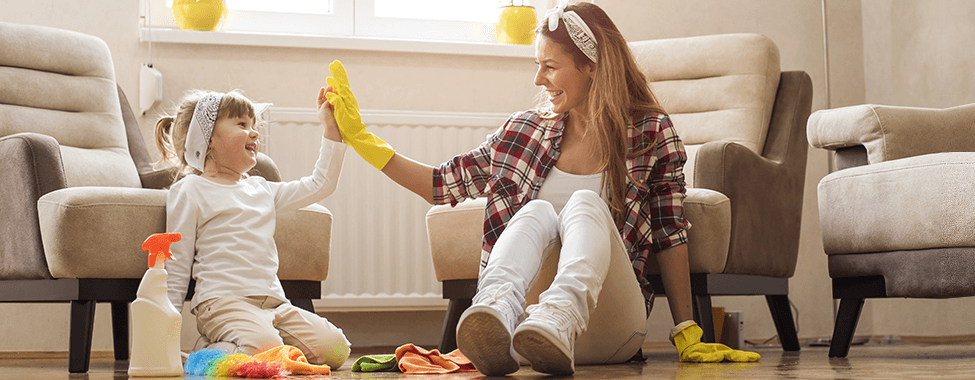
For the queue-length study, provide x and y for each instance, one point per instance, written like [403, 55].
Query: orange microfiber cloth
[413, 359]
[293, 361]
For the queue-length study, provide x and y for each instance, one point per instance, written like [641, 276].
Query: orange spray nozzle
[158, 244]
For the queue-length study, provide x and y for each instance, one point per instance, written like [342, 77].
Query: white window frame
[339, 23]
[368, 25]
[332, 34]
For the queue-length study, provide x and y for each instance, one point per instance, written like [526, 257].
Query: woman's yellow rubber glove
[687, 339]
[370, 147]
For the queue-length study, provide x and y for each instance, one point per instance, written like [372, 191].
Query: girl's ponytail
[164, 141]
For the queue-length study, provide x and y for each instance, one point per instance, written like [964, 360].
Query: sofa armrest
[31, 168]
[765, 191]
[889, 132]
[158, 179]
[266, 168]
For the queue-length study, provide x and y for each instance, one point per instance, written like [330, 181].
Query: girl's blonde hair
[618, 95]
[171, 130]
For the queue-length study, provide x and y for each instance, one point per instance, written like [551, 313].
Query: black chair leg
[120, 329]
[846, 324]
[304, 303]
[456, 307]
[79, 338]
[784, 324]
[704, 317]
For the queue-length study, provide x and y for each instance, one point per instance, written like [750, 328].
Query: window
[315, 17]
[441, 20]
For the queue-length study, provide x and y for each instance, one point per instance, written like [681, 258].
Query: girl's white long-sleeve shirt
[227, 243]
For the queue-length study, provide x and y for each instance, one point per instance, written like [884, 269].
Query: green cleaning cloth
[375, 363]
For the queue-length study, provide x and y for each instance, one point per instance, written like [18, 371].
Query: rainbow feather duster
[274, 363]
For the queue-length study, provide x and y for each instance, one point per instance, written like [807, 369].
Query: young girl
[594, 170]
[227, 222]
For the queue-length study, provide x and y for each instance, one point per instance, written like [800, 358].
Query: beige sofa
[897, 214]
[742, 122]
[80, 195]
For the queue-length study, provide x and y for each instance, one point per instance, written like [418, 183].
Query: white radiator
[380, 257]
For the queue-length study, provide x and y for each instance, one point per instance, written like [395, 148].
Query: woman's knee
[538, 208]
[540, 211]
[586, 202]
[586, 197]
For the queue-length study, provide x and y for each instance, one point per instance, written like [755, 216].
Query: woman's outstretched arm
[414, 176]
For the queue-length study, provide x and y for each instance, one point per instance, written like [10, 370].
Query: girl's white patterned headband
[201, 127]
[581, 35]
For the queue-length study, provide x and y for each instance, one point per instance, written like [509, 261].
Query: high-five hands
[687, 339]
[370, 147]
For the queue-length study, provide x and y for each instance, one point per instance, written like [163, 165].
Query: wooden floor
[878, 359]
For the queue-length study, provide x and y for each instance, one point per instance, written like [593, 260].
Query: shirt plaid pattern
[512, 164]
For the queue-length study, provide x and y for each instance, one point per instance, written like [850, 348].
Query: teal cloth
[375, 363]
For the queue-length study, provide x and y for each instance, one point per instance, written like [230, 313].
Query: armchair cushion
[455, 235]
[908, 204]
[455, 238]
[97, 232]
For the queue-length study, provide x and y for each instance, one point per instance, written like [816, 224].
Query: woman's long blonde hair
[171, 130]
[618, 95]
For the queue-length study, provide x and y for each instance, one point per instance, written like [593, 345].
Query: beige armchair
[80, 195]
[743, 124]
[896, 215]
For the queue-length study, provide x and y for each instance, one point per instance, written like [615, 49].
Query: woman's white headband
[201, 127]
[581, 35]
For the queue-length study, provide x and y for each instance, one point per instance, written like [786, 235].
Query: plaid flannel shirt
[514, 161]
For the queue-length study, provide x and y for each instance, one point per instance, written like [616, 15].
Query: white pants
[250, 325]
[577, 256]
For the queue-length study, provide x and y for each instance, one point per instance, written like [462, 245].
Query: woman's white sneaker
[547, 338]
[484, 333]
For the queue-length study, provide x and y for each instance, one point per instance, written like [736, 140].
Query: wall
[431, 82]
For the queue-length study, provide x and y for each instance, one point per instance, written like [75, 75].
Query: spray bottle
[155, 321]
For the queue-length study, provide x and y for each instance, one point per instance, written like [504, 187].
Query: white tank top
[559, 186]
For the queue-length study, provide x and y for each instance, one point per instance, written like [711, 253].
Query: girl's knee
[256, 343]
[332, 351]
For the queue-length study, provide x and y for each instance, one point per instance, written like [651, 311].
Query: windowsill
[178, 36]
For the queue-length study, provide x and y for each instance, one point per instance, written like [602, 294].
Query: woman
[595, 169]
